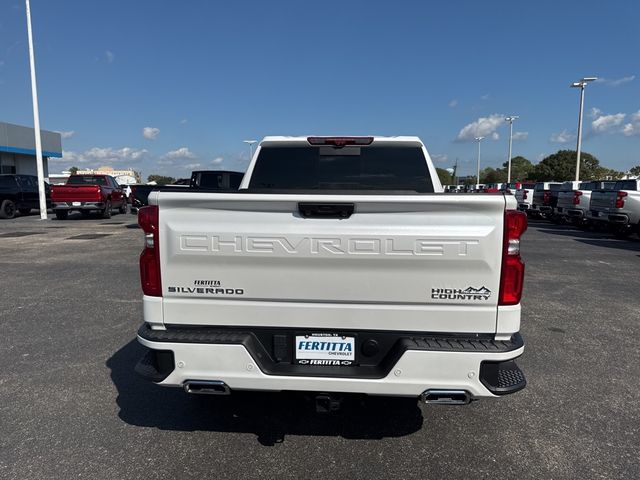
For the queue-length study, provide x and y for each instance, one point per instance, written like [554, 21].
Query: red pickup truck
[87, 193]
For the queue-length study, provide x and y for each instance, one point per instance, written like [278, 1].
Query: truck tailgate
[565, 199]
[399, 262]
[602, 200]
[75, 193]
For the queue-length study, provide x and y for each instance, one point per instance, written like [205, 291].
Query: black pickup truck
[19, 193]
[200, 180]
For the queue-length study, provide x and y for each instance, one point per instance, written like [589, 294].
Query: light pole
[36, 120]
[478, 139]
[510, 119]
[250, 143]
[581, 84]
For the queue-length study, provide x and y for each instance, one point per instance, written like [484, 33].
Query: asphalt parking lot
[71, 406]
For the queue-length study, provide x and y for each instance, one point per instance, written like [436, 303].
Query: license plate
[76, 204]
[325, 349]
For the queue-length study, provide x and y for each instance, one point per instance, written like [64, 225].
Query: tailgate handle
[325, 210]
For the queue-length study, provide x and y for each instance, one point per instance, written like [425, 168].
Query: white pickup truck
[573, 201]
[338, 267]
[619, 208]
[524, 196]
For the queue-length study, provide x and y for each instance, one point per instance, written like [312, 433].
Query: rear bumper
[575, 213]
[618, 218]
[523, 206]
[483, 368]
[78, 205]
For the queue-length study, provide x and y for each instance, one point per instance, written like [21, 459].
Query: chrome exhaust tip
[206, 387]
[446, 397]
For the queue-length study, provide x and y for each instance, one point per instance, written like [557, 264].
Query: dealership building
[18, 150]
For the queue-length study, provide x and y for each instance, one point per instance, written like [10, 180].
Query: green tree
[561, 166]
[160, 179]
[520, 169]
[444, 176]
[73, 170]
[609, 174]
[635, 171]
[470, 180]
[492, 175]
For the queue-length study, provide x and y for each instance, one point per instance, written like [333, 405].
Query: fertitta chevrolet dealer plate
[325, 349]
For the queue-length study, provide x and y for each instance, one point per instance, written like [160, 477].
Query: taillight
[576, 197]
[546, 198]
[512, 274]
[150, 256]
[620, 199]
[340, 141]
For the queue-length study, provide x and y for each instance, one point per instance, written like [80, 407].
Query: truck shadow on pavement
[597, 239]
[269, 416]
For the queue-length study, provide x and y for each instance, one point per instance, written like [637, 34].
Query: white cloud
[607, 123]
[563, 137]
[632, 128]
[150, 132]
[616, 82]
[453, 103]
[191, 166]
[109, 56]
[1, 63]
[217, 161]
[67, 134]
[594, 112]
[103, 155]
[439, 157]
[495, 136]
[482, 127]
[517, 136]
[485, 97]
[182, 153]
[183, 121]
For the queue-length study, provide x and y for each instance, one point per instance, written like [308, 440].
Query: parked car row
[611, 205]
[200, 180]
[98, 193]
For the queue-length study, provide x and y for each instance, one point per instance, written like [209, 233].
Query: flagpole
[36, 120]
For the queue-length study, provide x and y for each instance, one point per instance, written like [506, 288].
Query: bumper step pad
[155, 365]
[502, 378]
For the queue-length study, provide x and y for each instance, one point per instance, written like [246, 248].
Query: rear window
[555, 186]
[347, 168]
[86, 180]
[528, 185]
[596, 186]
[626, 185]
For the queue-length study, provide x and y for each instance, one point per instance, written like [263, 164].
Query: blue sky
[167, 86]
